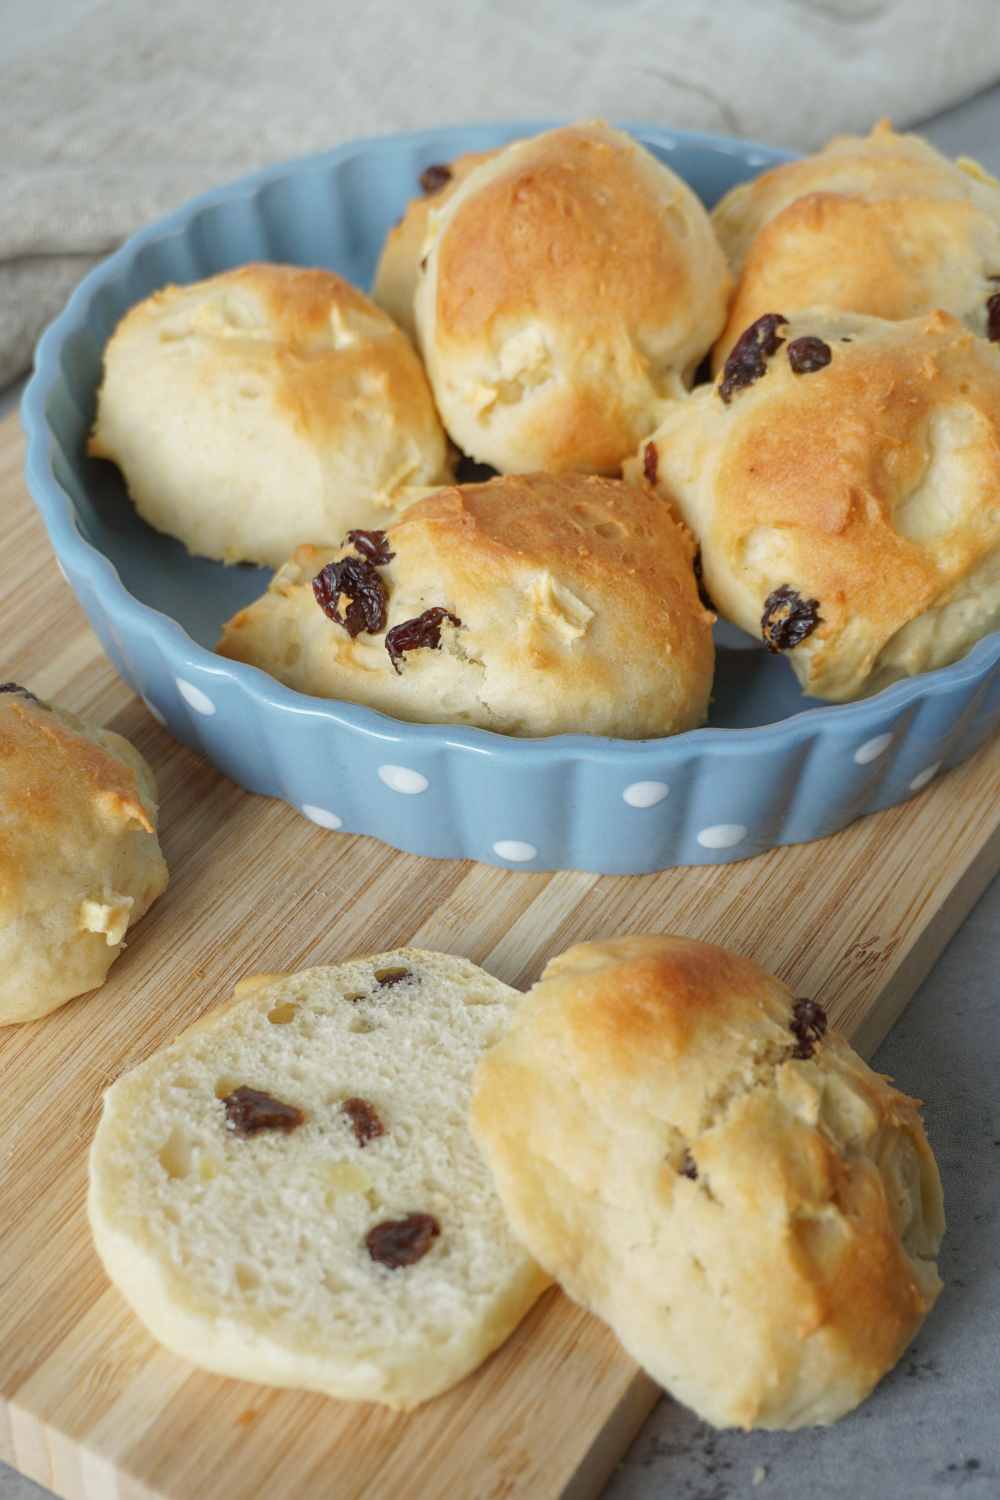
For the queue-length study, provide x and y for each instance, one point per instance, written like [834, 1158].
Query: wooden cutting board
[89, 1404]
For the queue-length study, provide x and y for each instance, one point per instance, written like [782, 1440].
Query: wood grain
[89, 1405]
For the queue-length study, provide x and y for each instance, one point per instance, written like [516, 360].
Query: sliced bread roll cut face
[290, 1193]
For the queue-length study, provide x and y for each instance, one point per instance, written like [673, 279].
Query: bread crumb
[759, 1475]
[246, 1417]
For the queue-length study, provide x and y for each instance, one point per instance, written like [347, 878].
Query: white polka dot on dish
[722, 836]
[923, 777]
[403, 779]
[199, 701]
[515, 850]
[321, 815]
[872, 749]
[645, 793]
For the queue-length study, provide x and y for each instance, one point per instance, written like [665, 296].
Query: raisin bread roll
[843, 480]
[702, 1162]
[79, 858]
[531, 605]
[882, 225]
[263, 408]
[289, 1192]
[398, 270]
[572, 285]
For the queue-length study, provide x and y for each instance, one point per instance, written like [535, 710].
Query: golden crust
[778, 1283]
[79, 858]
[578, 611]
[252, 411]
[882, 225]
[398, 269]
[572, 283]
[871, 486]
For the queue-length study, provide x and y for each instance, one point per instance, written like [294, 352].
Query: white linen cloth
[117, 110]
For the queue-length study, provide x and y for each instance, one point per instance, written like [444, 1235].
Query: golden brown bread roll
[702, 1162]
[398, 268]
[549, 604]
[882, 225]
[572, 284]
[848, 514]
[265, 407]
[79, 858]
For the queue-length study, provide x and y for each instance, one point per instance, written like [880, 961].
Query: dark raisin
[15, 687]
[373, 547]
[688, 1167]
[650, 462]
[364, 1120]
[248, 1111]
[386, 977]
[808, 354]
[993, 318]
[425, 630]
[808, 1026]
[699, 578]
[355, 580]
[748, 358]
[435, 177]
[788, 619]
[402, 1242]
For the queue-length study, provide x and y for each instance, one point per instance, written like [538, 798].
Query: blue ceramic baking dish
[770, 768]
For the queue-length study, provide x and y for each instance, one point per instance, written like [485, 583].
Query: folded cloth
[120, 111]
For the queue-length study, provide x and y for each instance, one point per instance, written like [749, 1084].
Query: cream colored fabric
[79, 857]
[264, 408]
[117, 113]
[754, 1212]
[870, 487]
[248, 1255]
[573, 609]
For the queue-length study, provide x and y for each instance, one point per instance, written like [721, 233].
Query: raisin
[15, 687]
[788, 618]
[808, 354]
[689, 1167]
[748, 358]
[808, 1026]
[435, 177]
[993, 318]
[373, 546]
[402, 1242]
[650, 462]
[387, 977]
[699, 579]
[249, 1111]
[356, 580]
[364, 1120]
[425, 630]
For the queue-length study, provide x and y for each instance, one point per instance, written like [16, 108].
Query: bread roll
[882, 225]
[703, 1163]
[289, 1192]
[847, 494]
[572, 285]
[531, 604]
[262, 408]
[398, 270]
[79, 858]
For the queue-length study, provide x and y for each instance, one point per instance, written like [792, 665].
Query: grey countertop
[932, 1429]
